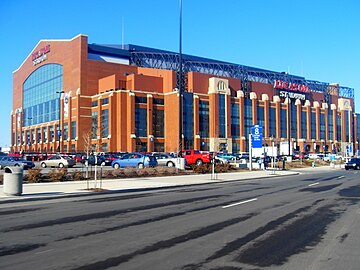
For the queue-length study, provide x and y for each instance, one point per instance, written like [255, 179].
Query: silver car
[58, 161]
[15, 161]
[165, 160]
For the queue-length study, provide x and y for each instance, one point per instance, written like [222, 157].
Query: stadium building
[69, 95]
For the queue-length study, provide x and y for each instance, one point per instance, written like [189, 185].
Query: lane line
[45, 251]
[314, 184]
[234, 204]
[341, 176]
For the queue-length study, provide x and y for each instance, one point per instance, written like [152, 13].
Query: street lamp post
[289, 124]
[180, 83]
[59, 127]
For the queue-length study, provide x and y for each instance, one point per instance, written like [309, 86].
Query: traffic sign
[256, 135]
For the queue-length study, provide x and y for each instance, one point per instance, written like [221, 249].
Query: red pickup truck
[195, 157]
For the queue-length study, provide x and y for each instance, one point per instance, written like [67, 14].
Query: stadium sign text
[40, 55]
[291, 86]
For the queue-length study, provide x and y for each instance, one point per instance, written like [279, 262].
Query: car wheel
[170, 164]
[141, 165]
[61, 165]
[43, 165]
[102, 163]
[346, 168]
[199, 162]
[116, 166]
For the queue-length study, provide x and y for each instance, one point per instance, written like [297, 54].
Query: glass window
[347, 125]
[235, 147]
[338, 127]
[272, 122]
[322, 126]
[73, 148]
[260, 116]
[331, 125]
[313, 125]
[94, 103]
[105, 101]
[248, 120]
[303, 124]
[140, 100]
[159, 147]
[141, 146]
[358, 126]
[52, 134]
[94, 124]
[235, 120]
[158, 101]
[283, 123]
[73, 130]
[188, 120]
[66, 131]
[293, 120]
[140, 122]
[104, 123]
[222, 116]
[40, 100]
[104, 147]
[158, 123]
[204, 119]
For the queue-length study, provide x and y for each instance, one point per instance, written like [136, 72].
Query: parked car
[15, 161]
[195, 157]
[58, 161]
[221, 159]
[101, 160]
[229, 157]
[353, 163]
[134, 160]
[165, 160]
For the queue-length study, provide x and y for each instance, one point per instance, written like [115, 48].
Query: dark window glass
[105, 101]
[73, 130]
[248, 120]
[347, 125]
[235, 147]
[140, 122]
[204, 119]
[283, 123]
[313, 125]
[188, 123]
[66, 131]
[94, 125]
[94, 103]
[159, 147]
[222, 115]
[272, 122]
[293, 121]
[140, 100]
[338, 127]
[358, 126]
[141, 146]
[260, 117]
[303, 125]
[158, 101]
[235, 120]
[104, 123]
[331, 125]
[158, 123]
[322, 126]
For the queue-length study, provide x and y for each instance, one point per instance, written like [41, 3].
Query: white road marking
[314, 184]
[45, 251]
[234, 204]
[341, 176]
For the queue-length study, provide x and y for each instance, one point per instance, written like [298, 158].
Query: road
[309, 221]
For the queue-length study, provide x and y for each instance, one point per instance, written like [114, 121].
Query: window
[140, 122]
[159, 147]
[222, 116]
[141, 146]
[66, 131]
[94, 124]
[260, 117]
[303, 124]
[73, 148]
[358, 126]
[158, 101]
[140, 100]
[204, 119]
[94, 103]
[104, 147]
[293, 121]
[40, 100]
[73, 130]
[188, 120]
[347, 125]
[272, 122]
[248, 120]
[105, 101]
[235, 147]
[158, 123]
[235, 120]
[283, 123]
[52, 135]
[104, 123]
[313, 125]
[38, 130]
[331, 125]
[45, 134]
[322, 126]
[338, 127]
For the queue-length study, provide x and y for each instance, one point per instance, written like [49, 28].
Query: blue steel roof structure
[161, 59]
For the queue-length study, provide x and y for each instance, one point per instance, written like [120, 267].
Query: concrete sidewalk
[78, 188]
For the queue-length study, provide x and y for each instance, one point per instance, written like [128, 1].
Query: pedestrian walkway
[77, 188]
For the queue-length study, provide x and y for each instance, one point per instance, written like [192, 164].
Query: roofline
[48, 40]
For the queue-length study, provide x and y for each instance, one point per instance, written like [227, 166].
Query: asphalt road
[309, 221]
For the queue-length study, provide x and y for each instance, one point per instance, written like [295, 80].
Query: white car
[165, 160]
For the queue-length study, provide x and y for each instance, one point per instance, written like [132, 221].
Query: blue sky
[316, 39]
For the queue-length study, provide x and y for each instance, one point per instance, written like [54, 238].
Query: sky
[319, 40]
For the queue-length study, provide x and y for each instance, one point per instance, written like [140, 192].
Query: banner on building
[66, 105]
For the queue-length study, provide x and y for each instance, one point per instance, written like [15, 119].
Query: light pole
[59, 127]
[180, 83]
[289, 124]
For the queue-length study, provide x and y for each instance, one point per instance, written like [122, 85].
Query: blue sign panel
[59, 133]
[256, 135]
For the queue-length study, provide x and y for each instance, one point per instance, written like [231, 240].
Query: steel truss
[171, 61]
